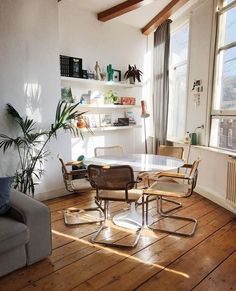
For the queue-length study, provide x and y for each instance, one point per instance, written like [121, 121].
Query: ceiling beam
[121, 9]
[169, 10]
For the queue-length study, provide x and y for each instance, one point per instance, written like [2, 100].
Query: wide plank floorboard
[206, 261]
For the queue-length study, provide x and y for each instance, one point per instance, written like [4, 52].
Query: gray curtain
[161, 82]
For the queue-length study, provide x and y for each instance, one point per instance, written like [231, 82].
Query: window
[223, 117]
[178, 82]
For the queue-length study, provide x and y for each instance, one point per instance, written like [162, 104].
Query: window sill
[211, 149]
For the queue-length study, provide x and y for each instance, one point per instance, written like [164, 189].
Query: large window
[223, 117]
[178, 82]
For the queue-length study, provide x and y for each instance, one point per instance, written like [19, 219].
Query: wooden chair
[111, 150]
[171, 189]
[74, 215]
[115, 183]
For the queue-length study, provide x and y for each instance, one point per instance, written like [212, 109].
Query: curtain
[161, 82]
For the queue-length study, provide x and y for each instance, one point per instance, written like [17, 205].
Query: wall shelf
[100, 83]
[110, 128]
[104, 106]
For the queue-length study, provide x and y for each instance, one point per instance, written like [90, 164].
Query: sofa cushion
[5, 185]
[12, 233]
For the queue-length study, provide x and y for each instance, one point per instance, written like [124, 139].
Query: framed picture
[106, 120]
[116, 76]
[93, 120]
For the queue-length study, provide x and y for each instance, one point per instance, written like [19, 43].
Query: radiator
[231, 181]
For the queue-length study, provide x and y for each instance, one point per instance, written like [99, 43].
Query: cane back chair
[114, 183]
[177, 190]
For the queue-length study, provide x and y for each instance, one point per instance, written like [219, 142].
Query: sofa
[25, 233]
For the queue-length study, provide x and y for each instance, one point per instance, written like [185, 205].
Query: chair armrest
[37, 218]
[189, 166]
[170, 175]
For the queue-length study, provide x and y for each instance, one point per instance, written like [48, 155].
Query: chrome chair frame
[68, 176]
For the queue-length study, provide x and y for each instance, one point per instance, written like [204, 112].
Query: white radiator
[231, 182]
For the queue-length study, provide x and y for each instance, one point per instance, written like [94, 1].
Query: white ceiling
[137, 18]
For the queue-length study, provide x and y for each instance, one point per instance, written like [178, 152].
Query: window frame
[220, 113]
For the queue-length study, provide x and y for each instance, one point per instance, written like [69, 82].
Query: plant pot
[131, 80]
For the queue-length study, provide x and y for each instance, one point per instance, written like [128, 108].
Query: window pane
[177, 102]
[179, 45]
[228, 24]
[223, 133]
[226, 84]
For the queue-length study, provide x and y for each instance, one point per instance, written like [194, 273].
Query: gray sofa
[25, 233]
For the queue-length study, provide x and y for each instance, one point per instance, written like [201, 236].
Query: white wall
[82, 35]
[29, 75]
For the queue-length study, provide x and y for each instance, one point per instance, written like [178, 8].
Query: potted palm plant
[30, 143]
[133, 73]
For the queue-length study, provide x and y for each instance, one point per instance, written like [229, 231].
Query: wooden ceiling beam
[169, 10]
[121, 9]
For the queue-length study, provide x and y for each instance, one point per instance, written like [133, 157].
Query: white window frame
[220, 113]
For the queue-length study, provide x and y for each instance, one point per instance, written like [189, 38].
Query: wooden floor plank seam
[226, 258]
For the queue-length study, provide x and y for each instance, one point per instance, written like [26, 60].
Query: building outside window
[223, 116]
[178, 70]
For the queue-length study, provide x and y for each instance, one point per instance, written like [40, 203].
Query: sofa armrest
[37, 217]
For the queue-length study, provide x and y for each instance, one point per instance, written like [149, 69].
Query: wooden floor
[206, 261]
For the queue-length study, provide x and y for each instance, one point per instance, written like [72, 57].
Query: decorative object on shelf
[116, 75]
[144, 115]
[85, 98]
[93, 120]
[111, 97]
[82, 122]
[66, 94]
[105, 119]
[127, 100]
[91, 75]
[109, 73]
[30, 143]
[133, 73]
[97, 72]
[130, 115]
[84, 74]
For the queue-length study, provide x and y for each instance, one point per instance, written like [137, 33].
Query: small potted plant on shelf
[133, 73]
[111, 97]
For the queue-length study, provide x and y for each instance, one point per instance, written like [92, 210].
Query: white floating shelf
[110, 128]
[104, 106]
[100, 83]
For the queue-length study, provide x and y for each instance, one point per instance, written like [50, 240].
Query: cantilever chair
[111, 150]
[171, 189]
[164, 150]
[171, 151]
[115, 183]
[75, 215]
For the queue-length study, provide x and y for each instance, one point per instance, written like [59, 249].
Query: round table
[140, 163]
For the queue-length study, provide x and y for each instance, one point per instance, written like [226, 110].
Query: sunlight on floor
[120, 254]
